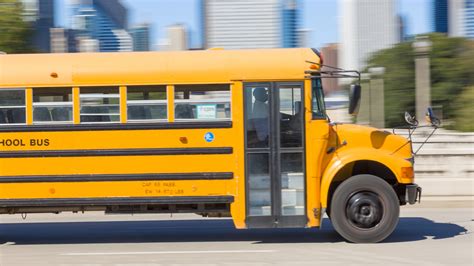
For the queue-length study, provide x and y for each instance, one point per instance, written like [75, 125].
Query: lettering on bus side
[24, 142]
[163, 188]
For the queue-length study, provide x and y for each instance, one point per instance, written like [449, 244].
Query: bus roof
[184, 67]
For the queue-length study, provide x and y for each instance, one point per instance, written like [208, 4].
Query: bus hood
[356, 136]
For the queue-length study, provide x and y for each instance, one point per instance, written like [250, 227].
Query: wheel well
[361, 167]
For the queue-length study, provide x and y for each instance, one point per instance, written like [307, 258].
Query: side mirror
[354, 99]
[411, 120]
[431, 118]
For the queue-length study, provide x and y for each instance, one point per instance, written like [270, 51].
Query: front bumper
[412, 193]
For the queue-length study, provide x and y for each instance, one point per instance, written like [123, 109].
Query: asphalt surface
[430, 234]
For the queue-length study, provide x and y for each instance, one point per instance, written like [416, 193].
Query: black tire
[364, 209]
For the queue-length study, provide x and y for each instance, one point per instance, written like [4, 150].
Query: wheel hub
[364, 210]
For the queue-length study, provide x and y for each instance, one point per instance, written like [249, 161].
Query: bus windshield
[318, 107]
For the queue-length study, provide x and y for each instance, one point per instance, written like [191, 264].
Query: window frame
[317, 97]
[55, 104]
[24, 89]
[147, 102]
[92, 95]
[203, 102]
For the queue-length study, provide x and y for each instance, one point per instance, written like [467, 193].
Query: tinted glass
[147, 103]
[100, 104]
[291, 116]
[12, 106]
[202, 102]
[52, 105]
[257, 116]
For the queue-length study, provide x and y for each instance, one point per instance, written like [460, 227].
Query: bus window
[258, 113]
[12, 106]
[202, 102]
[100, 104]
[146, 103]
[291, 116]
[319, 109]
[52, 105]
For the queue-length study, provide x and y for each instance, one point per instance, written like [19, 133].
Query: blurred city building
[63, 40]
[40, 13]
[440, 18]
[290, 24]
[141, 37]
[367, 26]
[304, 36]
[241, 24]
[456, 17]
[469, 19]
[102, 22]
[401, 23]
[330, 56]
[176, 39]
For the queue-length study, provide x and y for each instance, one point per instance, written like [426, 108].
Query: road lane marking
[166, 252]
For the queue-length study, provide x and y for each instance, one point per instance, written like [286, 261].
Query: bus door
[275, 163]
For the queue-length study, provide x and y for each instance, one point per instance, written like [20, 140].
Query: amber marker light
[407, 172]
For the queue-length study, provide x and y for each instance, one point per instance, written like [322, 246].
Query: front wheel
[364, 209]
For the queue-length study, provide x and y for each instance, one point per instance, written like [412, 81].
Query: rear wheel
[364, 209]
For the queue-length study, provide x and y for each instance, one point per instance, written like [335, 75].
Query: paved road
[426, 235]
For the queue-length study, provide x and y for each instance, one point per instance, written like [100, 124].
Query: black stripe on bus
[117, 177]
[105, 127]
[114, 152]
[76, 202]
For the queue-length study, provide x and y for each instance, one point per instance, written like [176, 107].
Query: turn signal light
[407, 172]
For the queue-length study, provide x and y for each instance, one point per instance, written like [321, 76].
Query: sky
[320, 16]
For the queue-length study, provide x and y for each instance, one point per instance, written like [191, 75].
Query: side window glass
[52, 105]
[146, 103]
[291, 116]
[317, 95]
[12, 106]
[202, 102]
[257, 116]
[100, 104]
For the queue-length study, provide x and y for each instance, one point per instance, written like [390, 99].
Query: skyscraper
[456, 18]
[440, 18]
[237, 24]
[41, 15]
[469, 19]
[367, 26]
[104, 21]
[290, 23]
[176, 39]
[141, 37]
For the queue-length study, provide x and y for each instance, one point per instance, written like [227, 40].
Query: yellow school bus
[219, 133]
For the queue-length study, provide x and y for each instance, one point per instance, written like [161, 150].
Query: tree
[15, 33]
[464, 108]
[452, 72]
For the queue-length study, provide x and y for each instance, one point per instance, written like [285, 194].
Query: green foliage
[452, 70]
[15, 33]
[464, 106]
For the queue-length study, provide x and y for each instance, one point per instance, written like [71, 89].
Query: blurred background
[412, 53]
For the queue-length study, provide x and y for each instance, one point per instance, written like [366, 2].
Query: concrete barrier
[444, 166]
